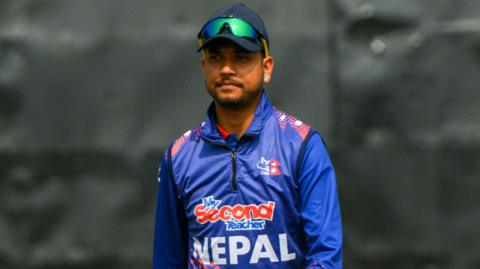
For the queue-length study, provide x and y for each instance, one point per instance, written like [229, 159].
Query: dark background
[91, 92]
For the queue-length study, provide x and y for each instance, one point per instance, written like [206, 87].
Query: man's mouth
[228, 85]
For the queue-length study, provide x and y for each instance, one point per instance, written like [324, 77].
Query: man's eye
[214, 57]
[243, 57]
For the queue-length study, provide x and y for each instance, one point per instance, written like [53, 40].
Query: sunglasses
[238, 27]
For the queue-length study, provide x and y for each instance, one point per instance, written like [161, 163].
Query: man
[251, 186]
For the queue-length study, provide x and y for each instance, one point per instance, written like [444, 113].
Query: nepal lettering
[237, 217]
[232, 249]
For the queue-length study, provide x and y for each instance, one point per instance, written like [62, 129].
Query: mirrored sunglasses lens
[213, 28]
[242, 29]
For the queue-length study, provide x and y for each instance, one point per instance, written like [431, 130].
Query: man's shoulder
[291, 125]
[192, 135]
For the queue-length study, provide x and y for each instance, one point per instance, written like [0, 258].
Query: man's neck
[235, 121]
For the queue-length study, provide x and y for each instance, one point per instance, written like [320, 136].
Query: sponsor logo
[269, 167]
[236, 217]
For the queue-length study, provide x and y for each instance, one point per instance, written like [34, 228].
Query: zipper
[233, 157]
[234, 170]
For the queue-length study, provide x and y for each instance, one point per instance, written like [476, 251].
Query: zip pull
[234, 170]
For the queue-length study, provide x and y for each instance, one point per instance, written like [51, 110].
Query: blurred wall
[91, 92]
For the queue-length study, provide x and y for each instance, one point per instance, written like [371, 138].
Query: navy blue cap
[239, 11]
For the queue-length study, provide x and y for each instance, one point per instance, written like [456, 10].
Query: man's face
[233, 75]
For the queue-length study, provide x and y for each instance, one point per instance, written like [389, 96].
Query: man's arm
[320, 207]
[171, 235]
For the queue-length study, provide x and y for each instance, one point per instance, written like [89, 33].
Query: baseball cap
[237, 23]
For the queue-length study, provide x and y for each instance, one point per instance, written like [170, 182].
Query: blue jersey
[266, 200]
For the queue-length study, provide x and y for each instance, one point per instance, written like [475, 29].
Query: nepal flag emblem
[269, 167]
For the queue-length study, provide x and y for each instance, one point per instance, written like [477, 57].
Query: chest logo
[236, 217]
[269, 167]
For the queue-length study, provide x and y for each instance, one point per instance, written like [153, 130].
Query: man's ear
[268, 66]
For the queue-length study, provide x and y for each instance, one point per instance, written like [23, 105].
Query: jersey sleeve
[171, 235]
[320, 208]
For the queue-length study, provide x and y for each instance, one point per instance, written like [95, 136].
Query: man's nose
[228, 67]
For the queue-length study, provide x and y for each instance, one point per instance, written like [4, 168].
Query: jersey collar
[262, 112]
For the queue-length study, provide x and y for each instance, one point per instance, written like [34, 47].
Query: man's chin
[229, 103]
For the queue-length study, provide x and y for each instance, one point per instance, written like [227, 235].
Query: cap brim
[242, 42]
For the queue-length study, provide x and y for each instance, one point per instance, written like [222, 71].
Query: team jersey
[266, 200]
